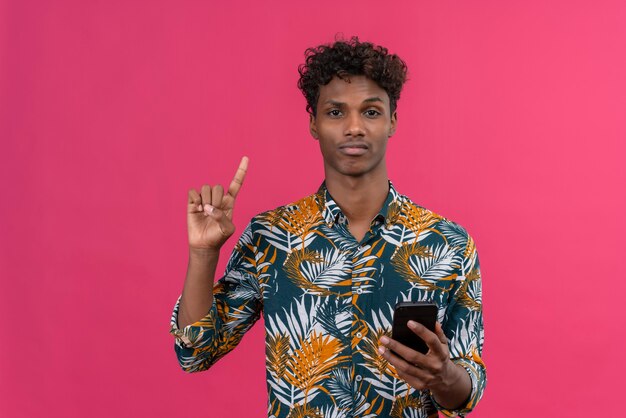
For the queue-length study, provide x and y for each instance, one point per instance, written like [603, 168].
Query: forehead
[355, 89]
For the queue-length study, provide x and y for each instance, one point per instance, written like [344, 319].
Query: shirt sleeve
[463, 326]
[237, 304]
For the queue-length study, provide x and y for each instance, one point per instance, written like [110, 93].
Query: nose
[354, 125]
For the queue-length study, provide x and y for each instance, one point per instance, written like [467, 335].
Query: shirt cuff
[192, 336]
[474, 396]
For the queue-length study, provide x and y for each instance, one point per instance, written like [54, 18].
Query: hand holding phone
[449, 383]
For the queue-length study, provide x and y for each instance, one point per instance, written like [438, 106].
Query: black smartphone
[423, 312]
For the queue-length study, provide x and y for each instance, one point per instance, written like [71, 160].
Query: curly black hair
[346, 58]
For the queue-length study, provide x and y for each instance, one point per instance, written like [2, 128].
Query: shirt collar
[332, 214]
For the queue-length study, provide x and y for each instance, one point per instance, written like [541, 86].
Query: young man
[327, 271]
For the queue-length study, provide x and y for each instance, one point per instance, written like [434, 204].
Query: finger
[412, 374]
[217, 192]
[440, 334]
[205, 194]
[195, 203]
[430, 338]
[226, 227]
[240, 175]
[408, 354]
[228, 203]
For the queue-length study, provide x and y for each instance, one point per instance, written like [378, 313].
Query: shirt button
[359, 291]
[359, 335]
[358, 378]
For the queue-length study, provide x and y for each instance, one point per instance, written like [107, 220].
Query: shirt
[327, 299]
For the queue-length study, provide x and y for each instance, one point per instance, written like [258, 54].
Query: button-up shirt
[327, 299]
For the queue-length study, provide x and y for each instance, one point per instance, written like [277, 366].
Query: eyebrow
[368, 100]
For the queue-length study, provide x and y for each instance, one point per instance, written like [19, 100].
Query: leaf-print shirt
[326, 300]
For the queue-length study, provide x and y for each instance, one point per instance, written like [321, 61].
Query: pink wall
[513, 123]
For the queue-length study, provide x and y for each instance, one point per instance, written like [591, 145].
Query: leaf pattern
[314, 361]
[277, 354]
[326, 301]
[425, 266]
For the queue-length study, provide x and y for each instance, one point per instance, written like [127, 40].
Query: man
[327, 271]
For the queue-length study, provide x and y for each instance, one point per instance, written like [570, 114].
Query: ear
[394, 123]
[313, 127]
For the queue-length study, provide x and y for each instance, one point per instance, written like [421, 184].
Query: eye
[334, 113]
[372, 113]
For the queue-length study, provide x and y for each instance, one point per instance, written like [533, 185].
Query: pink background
[513, 123]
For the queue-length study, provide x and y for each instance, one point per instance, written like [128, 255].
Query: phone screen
[423, 312]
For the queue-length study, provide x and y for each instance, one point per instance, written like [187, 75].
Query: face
[352, 125]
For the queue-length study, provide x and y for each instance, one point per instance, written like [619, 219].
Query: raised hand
[210, 212]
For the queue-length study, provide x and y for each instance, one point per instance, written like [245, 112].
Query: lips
[353, 148]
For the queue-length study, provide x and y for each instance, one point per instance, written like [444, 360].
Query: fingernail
[413, 324]
[384, 340]
[381, 350]
[208, 209]
[200, 208]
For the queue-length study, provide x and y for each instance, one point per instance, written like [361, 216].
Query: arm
[452, 369]
[197, 296]
[209, 225]
[235, 307]
[209, 319]
[463, 326]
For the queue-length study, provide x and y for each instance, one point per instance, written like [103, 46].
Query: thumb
[226, 226]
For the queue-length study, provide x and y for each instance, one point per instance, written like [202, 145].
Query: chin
[352, 169]
[353, 172]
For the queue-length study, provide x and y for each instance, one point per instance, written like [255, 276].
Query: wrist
[203, 254]
[452, 376]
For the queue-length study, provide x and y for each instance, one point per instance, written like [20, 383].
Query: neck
[360, 198]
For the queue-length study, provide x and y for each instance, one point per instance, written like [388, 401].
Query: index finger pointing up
[240, 175]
